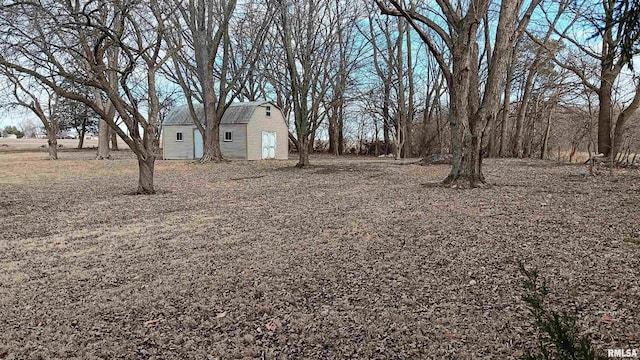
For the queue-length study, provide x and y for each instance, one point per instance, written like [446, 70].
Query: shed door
[268, 145]
[198, 145]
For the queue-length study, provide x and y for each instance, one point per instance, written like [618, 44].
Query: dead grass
[350, 258]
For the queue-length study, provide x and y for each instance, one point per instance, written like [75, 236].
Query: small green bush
[559, 337]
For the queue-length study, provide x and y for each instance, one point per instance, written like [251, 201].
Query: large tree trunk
[303, 152]
[103, 141]
[604, 117]
[146, 163]
[464, 146]
[52, 139]
[211, 138]
[621, 122]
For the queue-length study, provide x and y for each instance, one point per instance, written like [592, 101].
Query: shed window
[268, 111]
[178, 136]
[228, 136]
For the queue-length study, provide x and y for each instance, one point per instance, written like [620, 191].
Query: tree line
[472, 78]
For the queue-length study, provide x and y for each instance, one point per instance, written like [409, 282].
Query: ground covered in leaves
[351, 258]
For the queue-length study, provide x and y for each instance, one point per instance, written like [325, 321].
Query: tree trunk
[333, 132]
[103, 141]
[545, 139]
[211, 151]
[408, 123]
[621, 122]
[81, 132]
[52, 140]
[518, 148]
[604, 116]
[303, 152]
[506, 107]
[465, 162]
[145, 170]
[114, 140]
[80, 141]
[386, 118]
[311, 143]
[341, 133]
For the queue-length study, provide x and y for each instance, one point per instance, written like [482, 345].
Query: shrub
[558, 334]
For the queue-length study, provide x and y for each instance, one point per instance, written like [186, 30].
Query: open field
[347, 259]
[31, 143]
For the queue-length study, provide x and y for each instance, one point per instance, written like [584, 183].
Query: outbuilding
[248, 130]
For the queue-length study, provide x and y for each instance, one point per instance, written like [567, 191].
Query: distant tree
[79, 117]
[12, 130]
[29, 93]
[613, 45]
[307, 33]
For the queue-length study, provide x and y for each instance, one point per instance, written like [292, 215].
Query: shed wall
[237, 148]
[259, 123]
[172, 149]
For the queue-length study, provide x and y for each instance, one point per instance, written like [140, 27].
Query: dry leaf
[607, 319]
[271, 326]
[518, 354]
[452, 336]
[154, 322]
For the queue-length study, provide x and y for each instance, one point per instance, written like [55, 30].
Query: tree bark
[212, 151]
[547, 132]
[333, 132]
[103, 141]
[506, 106]
[621, 122]
[80, 141]
[146, 164]
[408, 148]
[114, 141]
[518, 147]
[81, 133]
[52, 139]
[386, 118]
[604, 117]
[303, 152]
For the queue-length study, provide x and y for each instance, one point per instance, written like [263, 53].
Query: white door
[268, 145]
[198, 145]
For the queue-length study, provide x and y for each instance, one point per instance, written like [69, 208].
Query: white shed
[249, 130]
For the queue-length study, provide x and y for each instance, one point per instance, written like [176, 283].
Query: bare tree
[470, 106]
[41, 101]
[211, 66]
[73, 41]
[616, 38]
[307, 36]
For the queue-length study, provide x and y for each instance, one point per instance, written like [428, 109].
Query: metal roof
[237, 113]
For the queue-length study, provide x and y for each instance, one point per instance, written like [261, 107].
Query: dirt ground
[350, 258]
